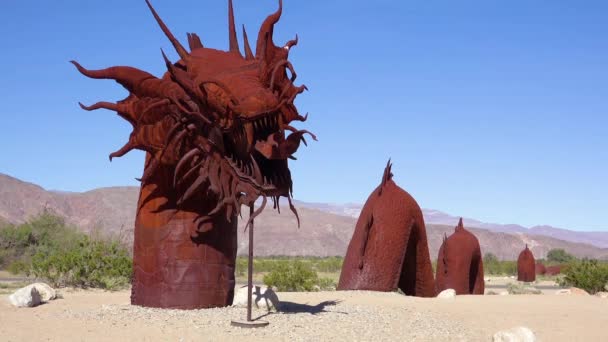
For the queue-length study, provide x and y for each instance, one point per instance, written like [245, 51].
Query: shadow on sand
[297, 308]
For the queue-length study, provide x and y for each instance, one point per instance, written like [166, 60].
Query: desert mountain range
[325, 229]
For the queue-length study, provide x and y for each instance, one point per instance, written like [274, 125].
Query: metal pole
[250, 323]
[250, 267]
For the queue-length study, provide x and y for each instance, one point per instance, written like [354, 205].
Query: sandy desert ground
[93, 315]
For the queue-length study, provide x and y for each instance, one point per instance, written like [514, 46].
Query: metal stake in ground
[250, 323]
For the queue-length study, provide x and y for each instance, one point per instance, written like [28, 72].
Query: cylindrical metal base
[173, 268]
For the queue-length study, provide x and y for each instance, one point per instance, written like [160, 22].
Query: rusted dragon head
[217, 118]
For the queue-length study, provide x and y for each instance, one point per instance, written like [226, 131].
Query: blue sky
[496, 110]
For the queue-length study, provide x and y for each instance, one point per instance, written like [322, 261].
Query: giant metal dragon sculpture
[389, 248]
[213, 129]
[460, 264]
[526, 268]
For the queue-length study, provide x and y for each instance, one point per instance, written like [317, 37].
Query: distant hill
[326, 228]
[431, 216]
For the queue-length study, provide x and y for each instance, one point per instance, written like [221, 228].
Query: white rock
[447, 293]
[47, 293]
[572, 291]
[25, 297]
[577, 291]
[518, 334]
[503, 293]
[262, 298]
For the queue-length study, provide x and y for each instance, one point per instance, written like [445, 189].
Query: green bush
[490, 258]
[3, 255]
[85, 263]
[326, 284]
[589, 275]
[268, 264]
[19, 267]
[559, 256]
[241, 266]
[45, 247]
[508, 267]
[517, 289]
[493, 266]
[292, 276]
[329, 265]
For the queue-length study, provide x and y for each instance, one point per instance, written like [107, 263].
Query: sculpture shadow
[296, 308]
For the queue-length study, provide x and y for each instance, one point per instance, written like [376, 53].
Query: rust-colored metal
[526, 269]
[213, 129]
[389, 248]
[460, 264]
[539, 268]
[250, 268]
[554, 270]
[549, 270]
[249, 322]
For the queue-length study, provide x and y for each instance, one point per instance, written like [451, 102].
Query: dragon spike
[254, 214]
[234, 43]
[166, 59]
[248, 53]
[265, 34]
[128, 77]
[128, 147]
[181, 51]
[100, 105]
[293, 210]
[194, 41]
[460, 225]
[291, 43]
[121, 110]
[386, 176]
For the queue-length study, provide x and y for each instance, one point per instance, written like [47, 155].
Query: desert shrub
[269, 264]
[14, 242]
[559, 256]
[46, 247]
[489, 258]
[241, 266]
[517, 289]
[3, 255]
[16, 237]
[326, 284]
[491, 265]
[508, 267]
[84, 263]
[329, 265]
[265, 264]
[292, 276]
[589, 275]
[18, 267]
[20, 242]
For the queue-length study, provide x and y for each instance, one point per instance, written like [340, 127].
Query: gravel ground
[335, 320]
[95, 315]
